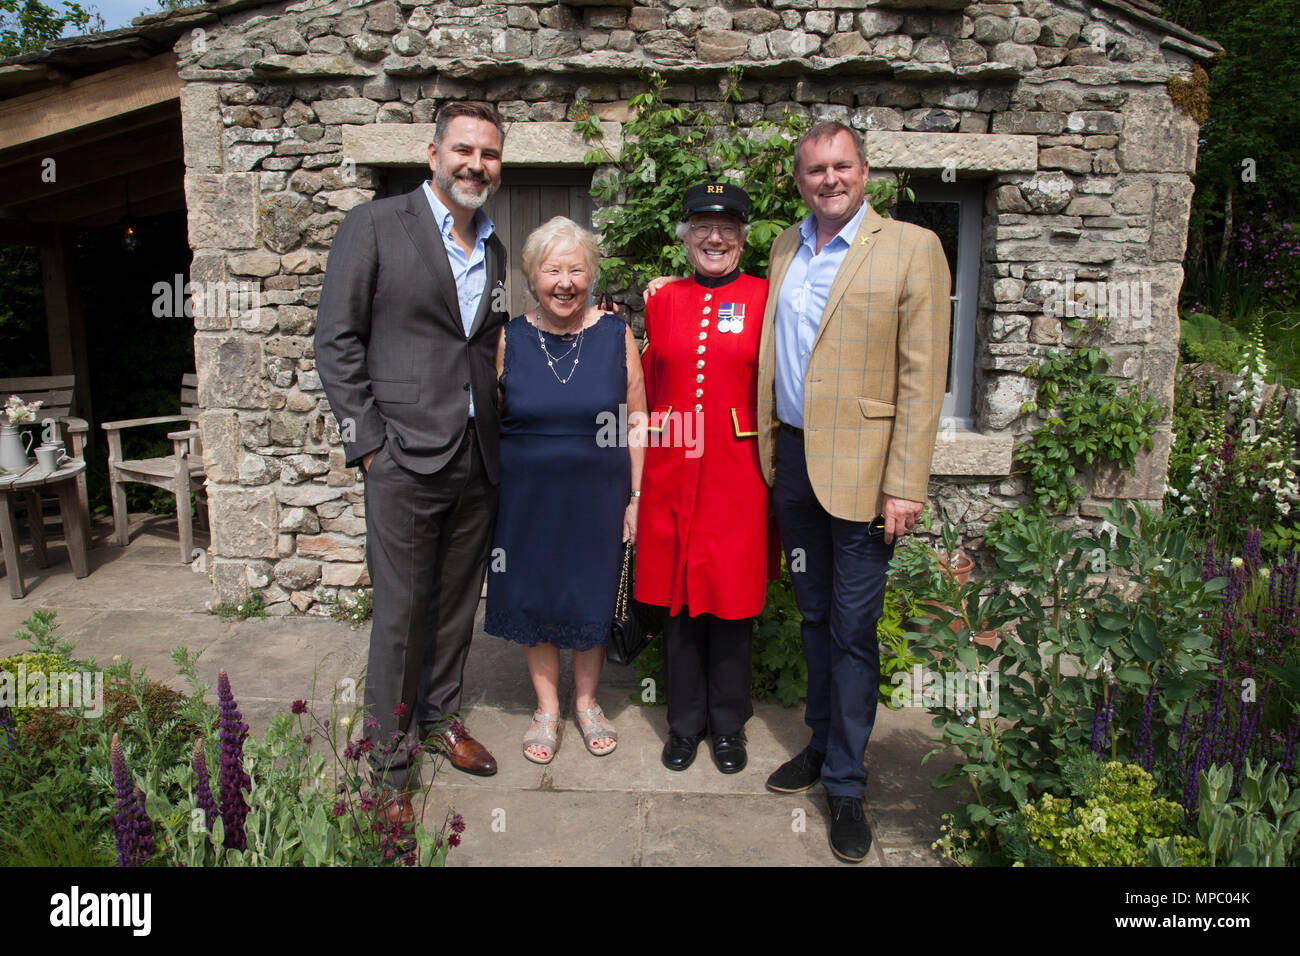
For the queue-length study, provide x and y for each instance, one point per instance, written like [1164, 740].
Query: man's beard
[452, 187]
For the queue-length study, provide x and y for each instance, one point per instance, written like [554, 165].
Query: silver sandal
[544, 737]
[598, 727]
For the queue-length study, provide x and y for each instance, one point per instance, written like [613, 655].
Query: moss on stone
[1192, 97]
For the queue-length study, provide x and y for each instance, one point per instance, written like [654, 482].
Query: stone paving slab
[541, 827]
[624, 809]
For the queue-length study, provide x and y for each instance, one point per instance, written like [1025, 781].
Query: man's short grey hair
[559, 233]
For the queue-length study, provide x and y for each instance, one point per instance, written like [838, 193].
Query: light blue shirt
[800, 304]
[470, 272]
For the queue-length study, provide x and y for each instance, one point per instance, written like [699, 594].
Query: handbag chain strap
[620, 604]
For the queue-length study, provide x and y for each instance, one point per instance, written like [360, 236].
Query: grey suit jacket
[391, 349]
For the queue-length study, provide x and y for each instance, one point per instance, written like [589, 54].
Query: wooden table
[62, 483]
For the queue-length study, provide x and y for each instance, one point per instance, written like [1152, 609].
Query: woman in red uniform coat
[702, 545]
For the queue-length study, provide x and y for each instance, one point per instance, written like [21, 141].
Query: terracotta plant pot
[957, 566]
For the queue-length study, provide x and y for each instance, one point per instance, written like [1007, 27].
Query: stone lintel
[964, 452]
[964, 152]
[527, 144]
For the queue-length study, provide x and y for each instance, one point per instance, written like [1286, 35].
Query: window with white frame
[953, 211]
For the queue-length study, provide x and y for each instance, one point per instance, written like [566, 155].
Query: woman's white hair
[559, 233]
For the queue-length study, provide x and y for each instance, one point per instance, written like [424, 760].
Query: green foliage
[1204, 338]
[23, 340]
[354, 610]
[780, 670]
[41, 631]
[51, 815]
[18, 682]
[27, 25]
[250, 605]
[54, 767]
[303, 808]
[1233, 462]
[1053, 586]
[1088, 423]
[650, 665]
[667, 148]
[1257, 827]
[1113, 819]
[1252, 90]
[896, 656]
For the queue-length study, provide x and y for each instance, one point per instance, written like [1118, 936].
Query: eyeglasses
[701, 230]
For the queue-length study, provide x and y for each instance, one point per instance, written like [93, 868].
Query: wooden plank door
[528, 197]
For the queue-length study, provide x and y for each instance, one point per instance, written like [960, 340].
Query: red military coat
[702, 527]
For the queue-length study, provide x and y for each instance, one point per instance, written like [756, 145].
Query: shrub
[1111, 818]
[1259, 827]
[1233, 463]
[1048, 586]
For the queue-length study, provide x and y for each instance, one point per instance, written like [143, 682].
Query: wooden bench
[180, 472]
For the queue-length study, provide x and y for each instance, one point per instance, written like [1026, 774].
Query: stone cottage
[1041, 138]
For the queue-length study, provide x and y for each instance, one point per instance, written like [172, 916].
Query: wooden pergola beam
[91, 99]
[171, 201]
[24, 184]
[143, 123]
[91, 200]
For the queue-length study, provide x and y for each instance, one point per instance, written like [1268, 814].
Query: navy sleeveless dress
[566, 478]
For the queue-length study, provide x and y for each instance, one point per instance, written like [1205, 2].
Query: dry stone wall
[1059, 109]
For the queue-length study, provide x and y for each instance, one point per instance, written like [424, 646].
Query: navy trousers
[839, 569]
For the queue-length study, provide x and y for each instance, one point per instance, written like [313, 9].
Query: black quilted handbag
[634, 624]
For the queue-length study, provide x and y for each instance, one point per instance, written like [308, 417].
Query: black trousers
[707, 666]
[427, 543]
[840, 591]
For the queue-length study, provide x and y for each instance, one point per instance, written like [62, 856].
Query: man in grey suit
[406, 338]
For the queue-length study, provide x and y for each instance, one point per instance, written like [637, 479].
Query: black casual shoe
[797, 774]
[679, 752]
[729, 752]
[850, 832]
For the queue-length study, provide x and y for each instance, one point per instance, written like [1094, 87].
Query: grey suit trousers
[427, 543]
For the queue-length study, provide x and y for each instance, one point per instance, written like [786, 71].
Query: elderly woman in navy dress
[568, 496]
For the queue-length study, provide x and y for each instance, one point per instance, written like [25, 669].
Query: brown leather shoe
[395, 807]
[464, 752]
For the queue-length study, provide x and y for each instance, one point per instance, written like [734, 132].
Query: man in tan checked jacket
[852, 369]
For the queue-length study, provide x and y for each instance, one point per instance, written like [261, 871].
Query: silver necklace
[552, 359]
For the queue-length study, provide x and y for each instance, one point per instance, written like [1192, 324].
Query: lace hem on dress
[517, 628]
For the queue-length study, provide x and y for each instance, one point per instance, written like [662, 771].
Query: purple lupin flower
[1094, 741]
[203, 789]
[1251, 551]
[233, 780]
[1107, 716]
[131, 826]
[1209, 566]
[1101, 720]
